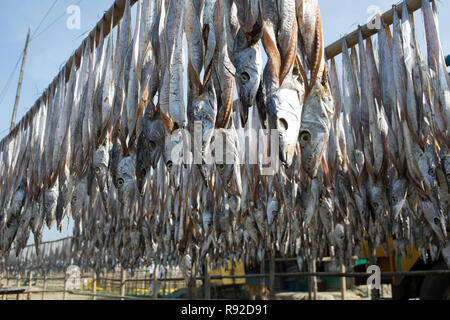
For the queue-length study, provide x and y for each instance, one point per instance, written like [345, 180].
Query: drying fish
[365, 155]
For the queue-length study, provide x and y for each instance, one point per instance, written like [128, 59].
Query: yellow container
[239, 269]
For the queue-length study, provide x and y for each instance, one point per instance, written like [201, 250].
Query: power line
[54, 22]
[8, 82]
[43, 19]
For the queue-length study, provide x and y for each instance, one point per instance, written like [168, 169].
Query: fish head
[234, 203]
[100, 163]
[339, 235]
[397, 195]
[435, 219]
[428, 168]
[378, 200]
[326, 202]
[273, 208]
[285, 116]
[204, 112]
[314, 130]
[227, 160]
[125, 180]
[143, 164]
[445, 160]
[174, 155]
[51, 200]
[247, 62]
[156, 135]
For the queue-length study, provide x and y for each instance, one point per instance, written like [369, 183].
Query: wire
[8, 82]
[43, 19]
[54, 22]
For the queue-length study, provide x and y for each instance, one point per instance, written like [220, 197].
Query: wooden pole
[94, 285]
[207, 279]
[165, 282]
[272, 274]
[45, 286]
[343, 283]
[375, 293]
[30, 279]
[123, 277]
[65, 286]
[19, 86]
[263, 269]
[18, 285]
[192, 283]
[155, 282]
[368, 30]
[312, 290]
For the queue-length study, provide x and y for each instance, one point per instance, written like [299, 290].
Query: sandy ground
[355, 293]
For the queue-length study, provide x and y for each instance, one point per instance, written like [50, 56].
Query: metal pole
[19, 86]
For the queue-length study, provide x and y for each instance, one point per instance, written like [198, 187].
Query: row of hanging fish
[53, 256]
[361, 156]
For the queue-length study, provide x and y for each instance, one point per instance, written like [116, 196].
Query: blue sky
[54, 43]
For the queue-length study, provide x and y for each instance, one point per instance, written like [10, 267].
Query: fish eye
[305, 136]
[152, 144]
[431, 172]
[97, 170]
[282, 124]
[245, 77]
[169, 164]
[394, 199]
[120, 182]
[221, 166]
[375, 205]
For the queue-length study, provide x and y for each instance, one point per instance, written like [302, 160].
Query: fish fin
[290, 58]
[257, 32]
[319, 50]
[167, 122]
[274, 62]
[194, 77]
[207, 75]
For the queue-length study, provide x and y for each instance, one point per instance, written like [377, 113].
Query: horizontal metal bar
[107, 296]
